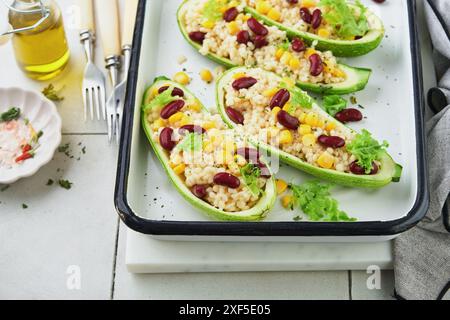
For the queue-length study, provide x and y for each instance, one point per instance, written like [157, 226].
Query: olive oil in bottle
[42, 52]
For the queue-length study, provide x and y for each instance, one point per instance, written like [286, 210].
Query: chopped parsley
[192, 142]
[65, 184]
[10, 115]
[314, 199]
[251, 173]
[346, 21]
[366, 149]
[52, 94]
[334, 104]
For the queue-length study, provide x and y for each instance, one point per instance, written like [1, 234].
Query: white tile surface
[60, 228]
[360, 290]
[252, 285]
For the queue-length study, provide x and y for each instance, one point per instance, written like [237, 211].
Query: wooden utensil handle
[108, 24]
[87, 21]
[129, 22]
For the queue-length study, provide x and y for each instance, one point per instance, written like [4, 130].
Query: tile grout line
[350, 285]
[114, 267]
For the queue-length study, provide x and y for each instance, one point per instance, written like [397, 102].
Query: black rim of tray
[264, 229]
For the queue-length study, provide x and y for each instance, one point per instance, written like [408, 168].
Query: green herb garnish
[52, 94]
[192, 142]
[10, 115]
[251, 174]
[285, 45]
[334, 104]
[212, 10]
[161, 99]
[65, 184]
[314, 199]
[366, 149]
[346, 22]
[299, 99]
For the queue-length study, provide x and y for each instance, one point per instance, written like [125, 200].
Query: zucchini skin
[340, 48]
[390, 171]
[358, 83]
[257, 213]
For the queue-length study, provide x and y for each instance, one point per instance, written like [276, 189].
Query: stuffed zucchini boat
[346, 29]
[223, 32]
[280, 118]
[206, 163]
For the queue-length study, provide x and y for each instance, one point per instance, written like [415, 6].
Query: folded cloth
[422, 255]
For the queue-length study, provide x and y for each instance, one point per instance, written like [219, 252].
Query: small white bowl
[44, 117]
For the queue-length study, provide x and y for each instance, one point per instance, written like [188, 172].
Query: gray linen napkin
[422, 255]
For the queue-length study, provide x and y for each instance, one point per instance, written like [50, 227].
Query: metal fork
[94, 92]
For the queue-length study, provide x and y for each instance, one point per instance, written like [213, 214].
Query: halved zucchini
[340, 48]
[388, 172]
[256, 213]
[356, 79]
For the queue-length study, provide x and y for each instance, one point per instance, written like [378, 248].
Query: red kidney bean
[358, 37]
[177, 92]
[355, 168]
[265, 172]
[280, 99]
[331, 141]
[287, 120]
[197, 36]
[227, 180]
[243, 37]
[260, 42]
[200, 191]
[190, 128]
[165, 139]
[244, 83]
[292, 1]
[305, 14]
[230, 14]
[316, 65]
[257, 27]
[349, 115]
[379, 1]
[251, 155]
[316, 18]
[298, 45]
[235, 116]
[172, 108]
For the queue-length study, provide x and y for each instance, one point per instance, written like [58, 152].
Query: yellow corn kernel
[208, 147]
[233, 28]
[195, 106]
[239, 75]
[281, 186]
[289, 82]
[269, 93]
[309, 140]
[323, 32]
[302, 117]
[273, 132]
[208, 24]
[339, 73]
[185, 120]
[294, 63]
[309, 3]
[182, 78]
[155, 92]
[176, 117]
[233, 4]
[304, 129]
[320, 124]
[331, 126]
[312, 119]
[274, 14]
[275, 111]
[286, 57]
[326, 160]
[287, 107]
[206, 75]
[158, 124]
[179, 170]
[309, 52]
[286, 137]
[286, 202]
[263, 7]
[279, 53]
[209, 125]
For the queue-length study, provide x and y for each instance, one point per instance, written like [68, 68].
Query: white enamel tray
[148, 203]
